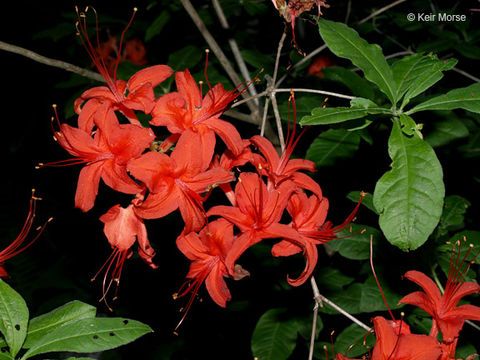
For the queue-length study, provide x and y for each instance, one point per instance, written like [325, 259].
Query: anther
[207, 50]
[175, 296]
[175, 333]
[135, 9]
[54, 105]
[363, 231]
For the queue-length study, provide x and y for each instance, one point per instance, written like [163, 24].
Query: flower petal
[227, 132]
[267, 149]
[187, 86]
[87, 186]
[152, 74]
[420, 299]
[427, 284]
[216, 286]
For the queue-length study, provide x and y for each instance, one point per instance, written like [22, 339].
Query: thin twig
[264, 118]
[235, 50]
[348, 12]
[472, 324]
[241, 116]
[212, 43]
[400, 53]
[271, 87]
[314, 332]
[379, 11]
[464, 73]
[51, 62]
[316, 295]
[322, 299]
[314, 91]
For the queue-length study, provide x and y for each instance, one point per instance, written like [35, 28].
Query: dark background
[58, 268]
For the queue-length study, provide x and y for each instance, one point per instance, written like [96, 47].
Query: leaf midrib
[392, 97]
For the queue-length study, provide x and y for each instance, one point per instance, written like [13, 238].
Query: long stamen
[15, 247]
[121, 43]
[207, 51]
[376, 279]
[398, 337]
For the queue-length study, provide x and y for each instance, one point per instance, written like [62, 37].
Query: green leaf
[185, 58]
[89, 335]
[464, 351]
[354, 242]
[347, 299]
[467, 98]
[410, 196]
[345, 42]
[353, 335]
[324, 116]
[357, 85]
[420, 321]
[427, 79]
[14, 317]
[157, 25]
[333, 145]
[304, 325]
[304, 103]
[454, 210]
[257, 59]
[409, 126]
[371, 299]
[446, 130]
[5, 355]
[367, 200]
[360, 298]
[416, 73]
[332, 279]
[275, 335]
[43, 324]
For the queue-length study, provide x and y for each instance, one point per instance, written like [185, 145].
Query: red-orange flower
[207, 251]
[122, 227]
[282, 168]
[257, 214]
[177, 181]
[395, 342]
[106, 155]
[126, 96]
[447, 316]
[185, 111]
[308, 218]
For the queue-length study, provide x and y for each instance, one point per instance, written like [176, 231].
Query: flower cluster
[394, 339]
[180, 172]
